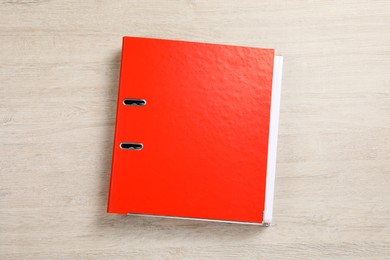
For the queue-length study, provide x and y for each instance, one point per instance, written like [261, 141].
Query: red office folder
[192, 131]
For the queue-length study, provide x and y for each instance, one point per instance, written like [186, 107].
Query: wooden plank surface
[59, 64]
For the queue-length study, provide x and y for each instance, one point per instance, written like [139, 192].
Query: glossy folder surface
[204, 130]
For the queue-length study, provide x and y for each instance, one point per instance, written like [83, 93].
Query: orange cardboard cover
[202, 130]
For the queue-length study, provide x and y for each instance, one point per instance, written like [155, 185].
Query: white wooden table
[59, 64]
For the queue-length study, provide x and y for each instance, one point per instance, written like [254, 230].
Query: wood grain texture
[59, 65]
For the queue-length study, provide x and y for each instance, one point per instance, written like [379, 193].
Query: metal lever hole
[134, 102]
[131, 146]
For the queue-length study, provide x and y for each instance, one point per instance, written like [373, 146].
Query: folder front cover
[192, 130]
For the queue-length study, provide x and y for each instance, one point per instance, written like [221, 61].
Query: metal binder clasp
[134, 102]
[131, 146]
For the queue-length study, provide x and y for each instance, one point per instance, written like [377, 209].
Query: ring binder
[201, 96]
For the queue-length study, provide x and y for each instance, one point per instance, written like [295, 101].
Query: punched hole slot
[134, 102]
[131, 146]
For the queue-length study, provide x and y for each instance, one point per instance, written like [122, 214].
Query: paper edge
[273, 139]
[197, 219]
